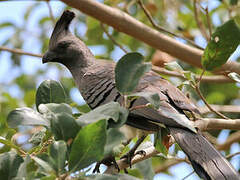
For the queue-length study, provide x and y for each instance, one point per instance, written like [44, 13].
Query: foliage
[45, 133]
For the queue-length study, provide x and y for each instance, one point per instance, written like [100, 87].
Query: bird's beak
[48, 57]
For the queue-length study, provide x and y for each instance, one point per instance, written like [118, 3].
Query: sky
[14, 11]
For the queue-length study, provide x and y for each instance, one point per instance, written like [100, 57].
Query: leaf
[9, 164]
[234, 76]
[224, 42]
[45, 165]
[114, 140]
[50, 91]
[88, 146]
[7, 24]
[146, 169]
[62, 123]
[153, 98]
[115, 115]
[129, 69]
[22, 170]
[158, 142]
[37, 137]
[57, 154]
[9, 143]
[26, 117]
[173, 66]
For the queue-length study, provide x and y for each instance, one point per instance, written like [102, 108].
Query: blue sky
[14, 11]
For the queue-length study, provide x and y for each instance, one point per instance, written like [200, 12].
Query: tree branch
[221, 108]
[129, 25]
[19, 51]
[205, 124]
[209, 79]
[151, 151]
[234, 137]
[205, 79]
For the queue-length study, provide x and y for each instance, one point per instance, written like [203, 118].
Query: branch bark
[129, 25]
[151, 151]
[221, 108]
[205, 124]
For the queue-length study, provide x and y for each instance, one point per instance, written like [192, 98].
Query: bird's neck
[80, 67]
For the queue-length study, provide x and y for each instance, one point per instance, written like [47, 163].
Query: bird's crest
[62, 26]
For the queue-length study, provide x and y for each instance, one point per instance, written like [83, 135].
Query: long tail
[207, 162]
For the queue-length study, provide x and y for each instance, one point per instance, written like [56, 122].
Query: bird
[95, 80]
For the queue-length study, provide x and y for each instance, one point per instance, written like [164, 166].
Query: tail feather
[207, 162]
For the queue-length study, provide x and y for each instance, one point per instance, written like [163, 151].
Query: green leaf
[62, 123]
[129, 69]
[50, 91]
[88, 146]
[9, 143]
[114, 140]
[153, 98]
[233, 2]
[158, 143]
[146, 169]
[22, 170]
[224, 42]
[45, 165]
[9, 164]
[26, 117]
[37, 137]
[173, 66]
[234, 76]
[115, 115]
[58, 153]
[7, 24]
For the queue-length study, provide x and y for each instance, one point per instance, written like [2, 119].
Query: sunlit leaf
[224, 42]
[129, 69]
[26, 117]
[115, 114]
[9, 164]
[50, 91]
[88, 146]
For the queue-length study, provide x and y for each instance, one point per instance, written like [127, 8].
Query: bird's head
[64, 47]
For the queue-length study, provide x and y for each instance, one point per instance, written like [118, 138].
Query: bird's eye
[63, 44]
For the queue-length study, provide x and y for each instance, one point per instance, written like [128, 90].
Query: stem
[197, 88]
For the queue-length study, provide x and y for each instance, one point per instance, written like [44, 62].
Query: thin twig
[208, 22]
[221, 108]
[210, 79]
[113, 40]
[199, 22]
[234, 137]
[197, 88]
[232, 155]
[50, 12]
[19, 51]
[187, 176]
[156, 26]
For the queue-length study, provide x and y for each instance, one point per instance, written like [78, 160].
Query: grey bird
[95, 80]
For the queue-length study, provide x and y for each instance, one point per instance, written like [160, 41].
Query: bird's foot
[130, 155]
[108, 161]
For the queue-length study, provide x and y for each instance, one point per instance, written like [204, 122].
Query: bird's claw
[108, 161]
[130, 155]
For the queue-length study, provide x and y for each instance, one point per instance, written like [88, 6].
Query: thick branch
[129, 25]
[205, 124]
